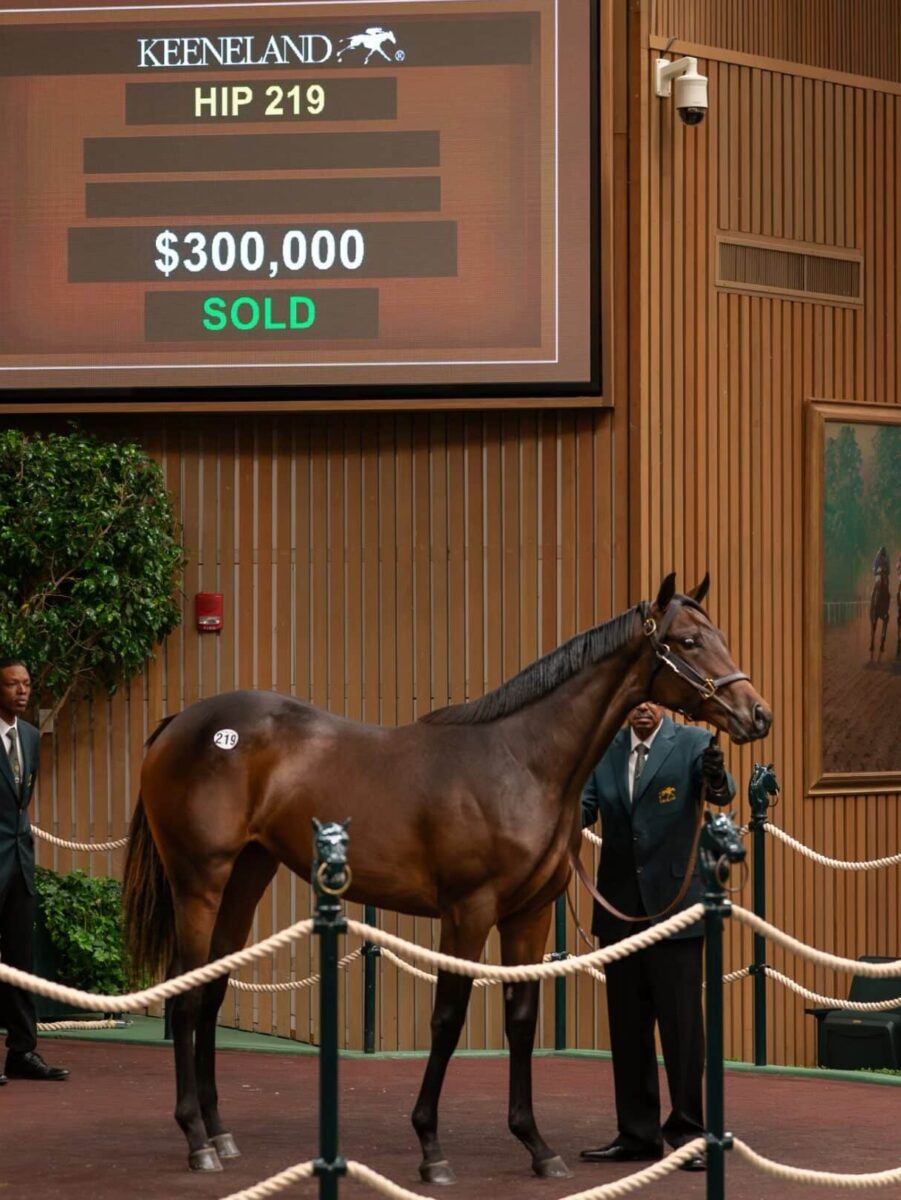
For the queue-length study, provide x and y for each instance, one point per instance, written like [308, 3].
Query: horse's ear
[667, 591]
[344, 824]
[698, 593]
[317, 824]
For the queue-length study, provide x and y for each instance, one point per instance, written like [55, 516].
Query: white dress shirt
[633, 757]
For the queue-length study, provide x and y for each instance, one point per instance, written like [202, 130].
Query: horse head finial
[331, 871]
[720, 847]
[763, 789]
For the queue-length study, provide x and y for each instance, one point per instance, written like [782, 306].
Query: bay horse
[880, 603]
[468, 815]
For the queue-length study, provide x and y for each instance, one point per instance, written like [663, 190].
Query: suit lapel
[619, 762]
[659, 753]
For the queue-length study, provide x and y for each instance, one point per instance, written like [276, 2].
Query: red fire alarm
[208, 611]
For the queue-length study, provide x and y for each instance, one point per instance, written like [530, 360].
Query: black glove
[713, 772]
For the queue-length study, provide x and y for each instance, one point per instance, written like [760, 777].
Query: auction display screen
[312, 195]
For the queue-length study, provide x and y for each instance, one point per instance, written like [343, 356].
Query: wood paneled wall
[718, 460]
[861, 37]
[378, 566]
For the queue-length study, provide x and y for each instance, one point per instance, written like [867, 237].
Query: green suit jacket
[16, 839]
[647, 842]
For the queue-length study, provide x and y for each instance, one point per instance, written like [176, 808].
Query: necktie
[641, 755]
[14, 757]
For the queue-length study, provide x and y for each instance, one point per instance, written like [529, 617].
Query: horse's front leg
[464, 938]
[523, 939]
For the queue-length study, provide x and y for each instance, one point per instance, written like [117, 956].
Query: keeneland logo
[666, 795]
[371, 39]
[253, 50]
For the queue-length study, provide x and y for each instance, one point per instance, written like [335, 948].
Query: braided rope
[891, 970]
[832, 1001]
[132, 1001]
[734, 976]
[293, 985]
[88, 846]
[275, 1183]
[521, 974]
[231, 962]
[592, 837]
[873, 1179]
[385, 1187]
[61, 1026]
[838, 863]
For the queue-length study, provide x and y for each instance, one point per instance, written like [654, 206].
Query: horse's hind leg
[464, 940]
[523, 939]
[194, 921]
[249, 879]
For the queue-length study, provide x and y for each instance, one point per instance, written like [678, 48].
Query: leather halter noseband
[704, 685]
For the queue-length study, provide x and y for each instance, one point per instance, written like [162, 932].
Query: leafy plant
[89, 558]
[83, 915]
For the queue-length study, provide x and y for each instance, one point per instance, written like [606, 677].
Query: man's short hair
[11, 660]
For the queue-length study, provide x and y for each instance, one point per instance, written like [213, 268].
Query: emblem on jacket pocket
[666, 795]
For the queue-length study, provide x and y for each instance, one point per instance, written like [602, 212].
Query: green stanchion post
[370, 954]
[560, 983]
[720, 846]
[331, 879]
[761, 790]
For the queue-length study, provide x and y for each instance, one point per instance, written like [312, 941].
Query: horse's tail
[146, 896]
[147, 903]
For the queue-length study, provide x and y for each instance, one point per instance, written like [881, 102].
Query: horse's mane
[542, 676]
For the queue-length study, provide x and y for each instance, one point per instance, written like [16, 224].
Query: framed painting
[853, 599]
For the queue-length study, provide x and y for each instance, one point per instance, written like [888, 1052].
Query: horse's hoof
[204, 1159]
[226, 1146]
[552, 1168]
[437, 1172]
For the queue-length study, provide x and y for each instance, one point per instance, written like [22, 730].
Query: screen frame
[227, 397]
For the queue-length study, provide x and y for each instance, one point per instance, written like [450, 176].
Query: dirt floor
[857, 694]
[107, 1133]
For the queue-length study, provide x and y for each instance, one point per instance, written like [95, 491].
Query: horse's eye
[689, 643]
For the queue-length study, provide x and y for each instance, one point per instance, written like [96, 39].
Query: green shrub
[83, 915]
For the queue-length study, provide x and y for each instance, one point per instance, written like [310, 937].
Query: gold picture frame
[851, 514]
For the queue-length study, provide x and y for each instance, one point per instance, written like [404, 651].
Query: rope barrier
[837, 863]
[522, 974]
[293, 985]
[873, 1179]
[592, 837]
[832, 1001]
[64, 1026]
[88, 846]
[891, 970]
[385, 1187]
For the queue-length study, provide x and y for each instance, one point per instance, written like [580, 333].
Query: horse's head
[694, 672]
[763, 784]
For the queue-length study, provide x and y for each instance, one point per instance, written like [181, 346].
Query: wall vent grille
[746, 266]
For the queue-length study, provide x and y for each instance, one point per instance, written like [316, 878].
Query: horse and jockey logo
[371, 39]
[666, 795]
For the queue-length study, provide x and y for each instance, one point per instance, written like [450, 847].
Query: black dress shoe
[32, 1066]
[3, 1080]
[617, 1152]
[697, 1162]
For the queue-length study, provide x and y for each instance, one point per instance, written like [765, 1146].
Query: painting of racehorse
[854, 603]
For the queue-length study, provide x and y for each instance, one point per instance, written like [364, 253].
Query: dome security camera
[690, 87]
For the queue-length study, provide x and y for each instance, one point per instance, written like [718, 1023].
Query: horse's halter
[706, 686]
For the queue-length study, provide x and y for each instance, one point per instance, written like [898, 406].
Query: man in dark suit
[646, 790]
[18, 767]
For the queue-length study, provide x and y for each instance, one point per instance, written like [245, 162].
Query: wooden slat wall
[719, 405]
[861, 37]
[377, 565]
